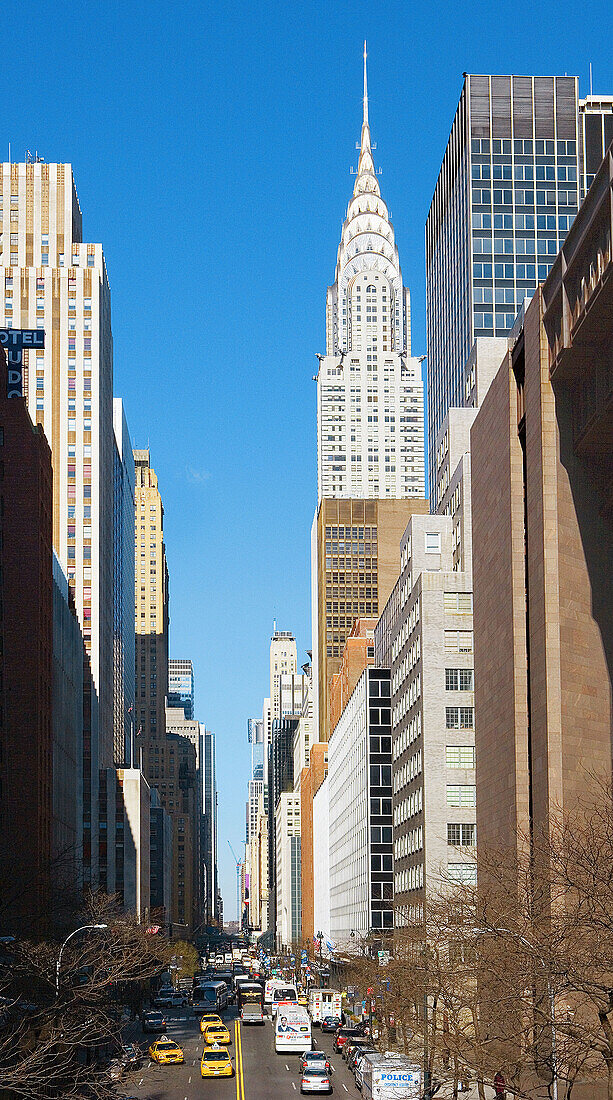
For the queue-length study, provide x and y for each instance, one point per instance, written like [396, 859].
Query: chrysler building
[370, 400]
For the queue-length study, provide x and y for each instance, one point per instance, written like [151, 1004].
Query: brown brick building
[359, 652]
[355, 562]
[542, 498]
[310, 781]
[26, 671]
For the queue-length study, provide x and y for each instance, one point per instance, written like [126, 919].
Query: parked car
[132, 1056]
[356, 1054]
[353, 1043]
[345, 1033]
[116, 1070]
[330, 1023]
[154, 1021]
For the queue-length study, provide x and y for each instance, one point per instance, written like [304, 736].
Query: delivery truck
[324, 1002]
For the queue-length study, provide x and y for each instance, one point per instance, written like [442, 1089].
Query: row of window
[560, 222]
[524, 147]
[410, 879]
[484, 196]
[545, 172]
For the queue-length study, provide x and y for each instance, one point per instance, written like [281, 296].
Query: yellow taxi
[216, 1033]
[303, 1000]
[209, 1018]
[165, 1052]
[216, 1062]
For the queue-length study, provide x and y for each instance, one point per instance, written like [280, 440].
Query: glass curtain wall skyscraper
[181, 685]
[507, 193]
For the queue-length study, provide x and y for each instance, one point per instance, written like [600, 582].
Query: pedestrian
[499, 1083]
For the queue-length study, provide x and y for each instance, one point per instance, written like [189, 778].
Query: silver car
[315, 1079]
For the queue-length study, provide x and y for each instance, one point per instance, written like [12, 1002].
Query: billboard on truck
[396, 1078]
[293, 1030]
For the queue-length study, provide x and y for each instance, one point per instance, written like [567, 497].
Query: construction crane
[239, 868]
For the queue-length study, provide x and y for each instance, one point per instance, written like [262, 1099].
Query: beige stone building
[542, 492]
[424, 636]
[169, 763]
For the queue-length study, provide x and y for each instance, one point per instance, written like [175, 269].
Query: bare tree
[54, 1026]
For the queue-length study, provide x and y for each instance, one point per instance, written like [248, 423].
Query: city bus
[292, 1030]
[249, 999]
[210, 997]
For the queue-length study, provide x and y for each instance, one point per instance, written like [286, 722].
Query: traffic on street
[250, 1031]
[259, 1073]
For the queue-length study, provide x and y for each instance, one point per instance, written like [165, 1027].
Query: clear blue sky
[211, 145]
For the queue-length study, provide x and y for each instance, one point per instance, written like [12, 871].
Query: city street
[261, 1074]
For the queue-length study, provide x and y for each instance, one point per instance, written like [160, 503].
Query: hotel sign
[14, 340]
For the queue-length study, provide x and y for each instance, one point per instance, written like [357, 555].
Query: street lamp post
[550, 994]
[83, 928]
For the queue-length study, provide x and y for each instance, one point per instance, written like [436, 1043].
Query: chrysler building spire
[365, 111]
[370, 392]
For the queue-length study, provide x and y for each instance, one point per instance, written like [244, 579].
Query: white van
[283, 993]
[293, 1030]
[271, 984]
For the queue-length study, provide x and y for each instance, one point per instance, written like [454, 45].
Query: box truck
[325, 1002]
[396, 1078]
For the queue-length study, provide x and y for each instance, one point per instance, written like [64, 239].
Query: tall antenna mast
[365, 100]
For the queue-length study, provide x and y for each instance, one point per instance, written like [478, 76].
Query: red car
[345, 1033]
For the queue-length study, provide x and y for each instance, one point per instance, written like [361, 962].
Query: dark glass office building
[514, 172]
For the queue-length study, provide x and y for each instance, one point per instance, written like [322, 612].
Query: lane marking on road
[189, 1080]
[236, 1067]
[345, 1087]
[141, 1081]
[294, 1085]
[240, 1080]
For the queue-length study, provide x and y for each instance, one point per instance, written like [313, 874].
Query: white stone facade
[426, 633]
[287, 839]
[370, 399]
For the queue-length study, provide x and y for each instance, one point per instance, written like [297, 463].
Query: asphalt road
[262, 1073]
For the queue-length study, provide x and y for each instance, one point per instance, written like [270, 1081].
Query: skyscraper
[370, 432]
[123, 588]
[512, 177]
[151, 600]
[53, 281]
[542, 488]
[283, 660]
[181, 685]
[355, 560]
[26, 668]
[209, 838]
